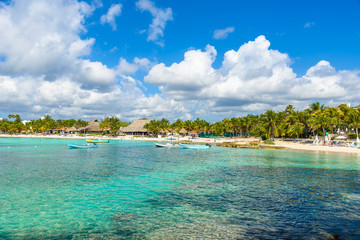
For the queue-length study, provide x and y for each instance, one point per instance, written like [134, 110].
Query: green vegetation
[113, 124]
[315, 120]
[269, 142]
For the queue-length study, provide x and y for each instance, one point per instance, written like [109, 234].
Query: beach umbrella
[357, 140]
[316, 141]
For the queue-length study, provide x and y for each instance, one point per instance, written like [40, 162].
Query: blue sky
[176, 59]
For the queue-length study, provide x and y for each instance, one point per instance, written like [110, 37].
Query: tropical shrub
[352, 135]
[269, 142]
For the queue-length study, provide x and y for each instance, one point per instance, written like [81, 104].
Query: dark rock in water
[122, 217]
[335, 237]
[249, 145]
[123, 224]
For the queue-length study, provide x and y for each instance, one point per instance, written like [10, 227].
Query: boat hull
[82, 146]
[96, 141]
[168, 145]
[193, 146]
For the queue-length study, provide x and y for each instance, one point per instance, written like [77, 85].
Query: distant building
[136, 128]
[93, 128]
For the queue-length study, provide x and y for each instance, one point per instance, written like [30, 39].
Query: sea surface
[133, 190]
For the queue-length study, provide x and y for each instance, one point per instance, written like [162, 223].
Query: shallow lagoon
[132, 190]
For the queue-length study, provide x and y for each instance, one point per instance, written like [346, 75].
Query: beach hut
[72, 130]
[136, 128]
[93, 128]
[193, 134]
[183, 131]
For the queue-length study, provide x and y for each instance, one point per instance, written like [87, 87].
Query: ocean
[133, 190]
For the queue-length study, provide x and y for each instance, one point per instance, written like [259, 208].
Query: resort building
[136, 128]
[72, 130]
[93, 128]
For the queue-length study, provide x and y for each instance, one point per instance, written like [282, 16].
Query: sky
[176, 59]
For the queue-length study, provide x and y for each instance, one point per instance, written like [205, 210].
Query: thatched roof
[136, 126]
[93, 126]
[72, 129]
[183, 131]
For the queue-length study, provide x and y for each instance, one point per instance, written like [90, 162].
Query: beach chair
[296, 140]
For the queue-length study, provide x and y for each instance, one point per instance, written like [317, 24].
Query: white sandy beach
[288, 145]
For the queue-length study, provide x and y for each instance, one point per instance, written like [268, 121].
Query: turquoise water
[133, 190]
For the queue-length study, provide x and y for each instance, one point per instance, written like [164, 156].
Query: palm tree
[316, 106]
[197, 125]
[296, 129]
[16, 125]
[112, 123]
[354, 120]
[270, 122]
[188, 125]
[229, 127]
[289, 109]
[164, 125]
[334, 116]
[218, 128]
[319, 120]
[177, 125]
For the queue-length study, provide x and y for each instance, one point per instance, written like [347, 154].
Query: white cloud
[253, 78]
[67, 98]
[42, 37]
[124, 67]
[43, 69]
[223, 33]
[95, 75]
[185, 79]
[160, 17]
[109, 17]
[309, 24]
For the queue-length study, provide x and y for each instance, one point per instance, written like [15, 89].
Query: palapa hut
[183, 131]
[136, 128]
[193, 133]
[92, 128]
[72, 130]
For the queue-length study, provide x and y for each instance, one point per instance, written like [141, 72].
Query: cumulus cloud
[186, 79]
[223, 33]
[109, 17]
[160, 17]
[67, 98]
[124, 67]
[253, 78]
[44, 70]
[42, 37]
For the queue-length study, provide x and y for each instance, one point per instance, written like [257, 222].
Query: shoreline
[286, 145]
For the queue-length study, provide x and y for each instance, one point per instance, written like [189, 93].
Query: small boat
[97, 141]
[168, 145]
[194, 146]
[82, 145]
